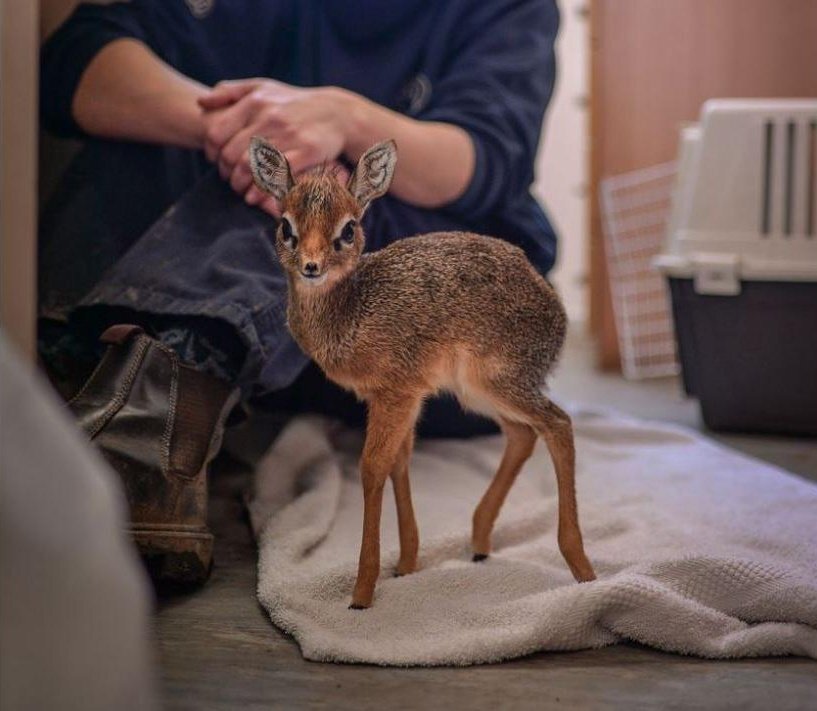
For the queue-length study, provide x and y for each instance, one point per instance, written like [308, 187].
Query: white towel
[698, 550]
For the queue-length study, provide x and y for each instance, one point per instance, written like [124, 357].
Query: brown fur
[445, 311]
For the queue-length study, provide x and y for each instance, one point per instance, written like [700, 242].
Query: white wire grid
[635, 211]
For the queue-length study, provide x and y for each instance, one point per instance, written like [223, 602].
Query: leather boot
[159, 424]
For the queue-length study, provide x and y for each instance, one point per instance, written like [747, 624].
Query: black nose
[311, 268]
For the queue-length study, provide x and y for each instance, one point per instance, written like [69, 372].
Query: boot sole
[175, 558]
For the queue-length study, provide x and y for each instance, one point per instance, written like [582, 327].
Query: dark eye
[286, 233]
[347, 234]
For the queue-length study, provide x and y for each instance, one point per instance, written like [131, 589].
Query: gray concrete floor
[218, 649]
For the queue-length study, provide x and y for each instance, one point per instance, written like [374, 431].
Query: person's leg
[206, 300]
[206, 281]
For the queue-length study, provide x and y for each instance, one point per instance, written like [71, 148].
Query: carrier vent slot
[768, 155]
[788, 199]
[811, 179]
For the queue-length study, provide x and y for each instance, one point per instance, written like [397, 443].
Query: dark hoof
[356, 607]
[479, 557]
[398, 575]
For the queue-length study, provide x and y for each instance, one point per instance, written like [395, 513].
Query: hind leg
[519, 442]
[555, 427]
[529, 405]
[409, 537]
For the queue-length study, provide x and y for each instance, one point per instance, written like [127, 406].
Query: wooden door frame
[600, 320]
[19, 83]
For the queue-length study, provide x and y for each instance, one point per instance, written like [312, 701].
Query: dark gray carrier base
[750, 359]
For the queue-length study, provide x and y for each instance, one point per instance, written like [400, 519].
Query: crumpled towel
[698, 550]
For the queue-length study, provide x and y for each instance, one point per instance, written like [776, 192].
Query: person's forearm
[436, 160]
[127, 92]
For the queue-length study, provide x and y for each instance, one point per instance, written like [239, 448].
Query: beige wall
[562, 163]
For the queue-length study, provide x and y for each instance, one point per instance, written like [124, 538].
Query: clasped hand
[306, 124]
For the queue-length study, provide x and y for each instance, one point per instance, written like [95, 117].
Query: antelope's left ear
[374, 172]
[270, 168]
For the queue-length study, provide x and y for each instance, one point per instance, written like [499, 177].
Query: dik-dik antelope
[448, 311]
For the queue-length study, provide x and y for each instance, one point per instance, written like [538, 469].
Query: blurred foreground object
[74, 603]
[741, 262]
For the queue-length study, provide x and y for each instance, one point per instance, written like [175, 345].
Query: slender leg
[520, 441]
[557, 431]
[388, 424]
[409, 537]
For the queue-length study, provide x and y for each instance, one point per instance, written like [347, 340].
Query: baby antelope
[448, 311]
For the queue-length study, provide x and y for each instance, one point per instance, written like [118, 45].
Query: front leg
[409, 536]
[391, 419]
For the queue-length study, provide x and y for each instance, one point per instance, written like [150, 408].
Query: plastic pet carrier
[741, 262]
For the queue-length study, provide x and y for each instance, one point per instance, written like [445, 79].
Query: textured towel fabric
[698, 550]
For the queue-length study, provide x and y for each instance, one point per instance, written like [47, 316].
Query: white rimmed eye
[346, 236]
[287, 234]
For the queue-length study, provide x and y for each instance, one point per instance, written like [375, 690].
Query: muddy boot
[159, 424]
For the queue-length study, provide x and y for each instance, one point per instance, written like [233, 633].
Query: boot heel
[175, 557]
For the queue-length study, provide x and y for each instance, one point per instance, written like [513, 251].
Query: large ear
[374, 172]
[270, 168]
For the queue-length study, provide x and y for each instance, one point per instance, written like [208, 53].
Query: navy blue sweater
[484, 65]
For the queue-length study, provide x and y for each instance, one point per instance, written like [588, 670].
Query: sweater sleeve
[496, 86]
[68, 52]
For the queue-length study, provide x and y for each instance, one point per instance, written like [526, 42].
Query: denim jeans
[208, 258]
